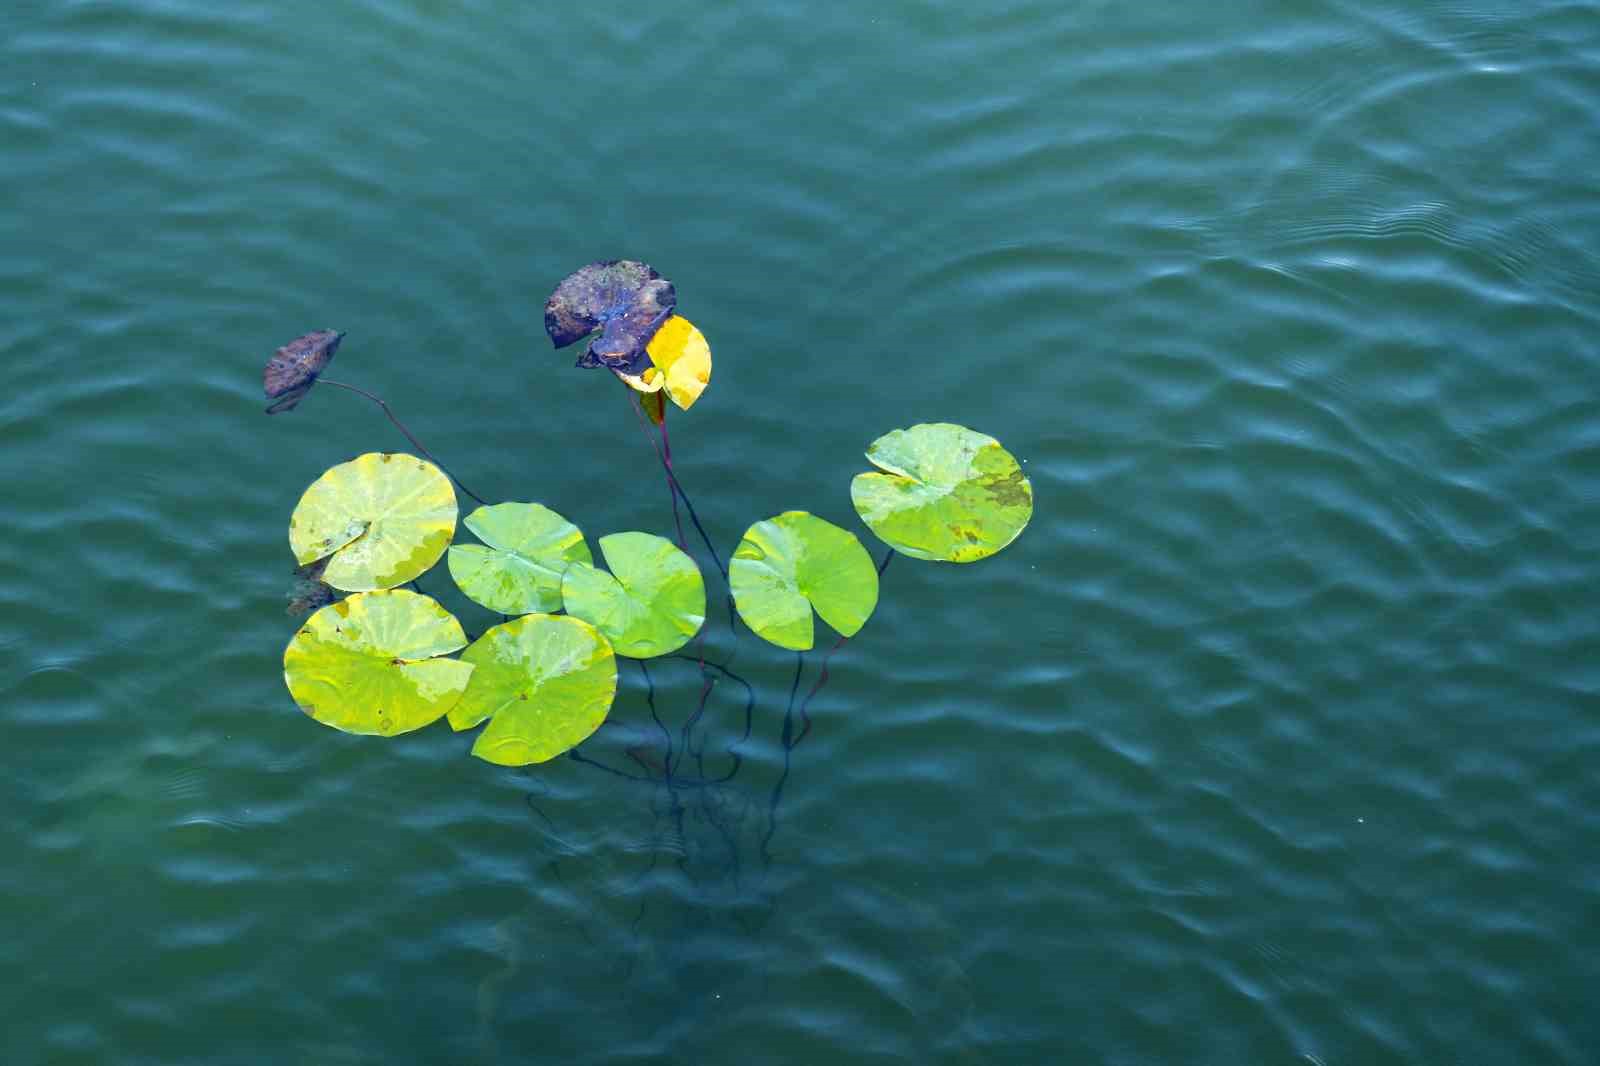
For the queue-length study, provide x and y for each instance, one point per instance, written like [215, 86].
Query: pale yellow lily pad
[382, 518]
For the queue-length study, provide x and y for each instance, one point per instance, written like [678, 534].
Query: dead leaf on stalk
[293, 369]
[624, 299]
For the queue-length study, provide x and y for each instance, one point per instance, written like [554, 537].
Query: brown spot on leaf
[1012, 490]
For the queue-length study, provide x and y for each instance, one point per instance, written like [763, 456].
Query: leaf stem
[788, 746]
[402, 428]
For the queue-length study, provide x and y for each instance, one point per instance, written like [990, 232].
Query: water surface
[1270, 741]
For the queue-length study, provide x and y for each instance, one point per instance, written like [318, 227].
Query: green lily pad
[517, 569]
[946, 493]
[370, 663]
[787, 565]
[383, 518]
[544, 681]
[653, 601]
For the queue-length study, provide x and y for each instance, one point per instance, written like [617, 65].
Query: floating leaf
[947, 493]
[544, 681]
[648, 381]
[681, 353]
[369, 663]
[625, 299]
[383, 517]
[309, 592]
[517, 569]
[653, 601]
[293, 369]
[787, 565]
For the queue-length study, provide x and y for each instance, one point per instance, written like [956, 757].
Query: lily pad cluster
[386, 660]
[379, 662]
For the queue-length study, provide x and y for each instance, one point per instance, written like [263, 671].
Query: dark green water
[1272, 740]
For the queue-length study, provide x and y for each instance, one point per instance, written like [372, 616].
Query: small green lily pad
[651, 603]
[787, 565]
[383, 517]
[517, 569]
[370, 663]
[544, 681]
[946, 493]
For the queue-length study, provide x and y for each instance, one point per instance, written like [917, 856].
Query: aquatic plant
[386, 660]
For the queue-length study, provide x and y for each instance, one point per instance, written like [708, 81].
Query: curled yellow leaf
[681, 353]
[648, 381]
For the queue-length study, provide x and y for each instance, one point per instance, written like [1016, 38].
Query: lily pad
[787, 565]
[370, 663]
[383, 517]
[946, 493]
[544, 681]
[517, 569]
[680, 363]
[294, 368]
[651, 603]
[683, 357]
[625, 299]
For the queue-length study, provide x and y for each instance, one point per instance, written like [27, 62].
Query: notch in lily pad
[517, 569]
[295, 367]
[943, 492]
[382, 519]
[373, 663]
[544, 682]
[790, 564]
[624, 299]
[652, 602]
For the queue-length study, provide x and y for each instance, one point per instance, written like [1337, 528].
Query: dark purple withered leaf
[309, 592]
[293, 369]
[622, 298]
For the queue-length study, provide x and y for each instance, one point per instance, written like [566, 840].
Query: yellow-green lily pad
[371, 663]
[517, 569]
[384, 518]
[788, 565]
[651, 603]
[544, 682]
[945, 493]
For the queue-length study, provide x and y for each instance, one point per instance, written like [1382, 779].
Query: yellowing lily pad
[384, 518]
[946, 493]
[649, 381]
[788, 565]
[370, 663]
[544, 682]
[681, 354]
[651, 603]
[517, 569]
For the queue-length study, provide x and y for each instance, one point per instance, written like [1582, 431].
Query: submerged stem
[672, 486]
[675, 487]
[402, 428]
[788, 746]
